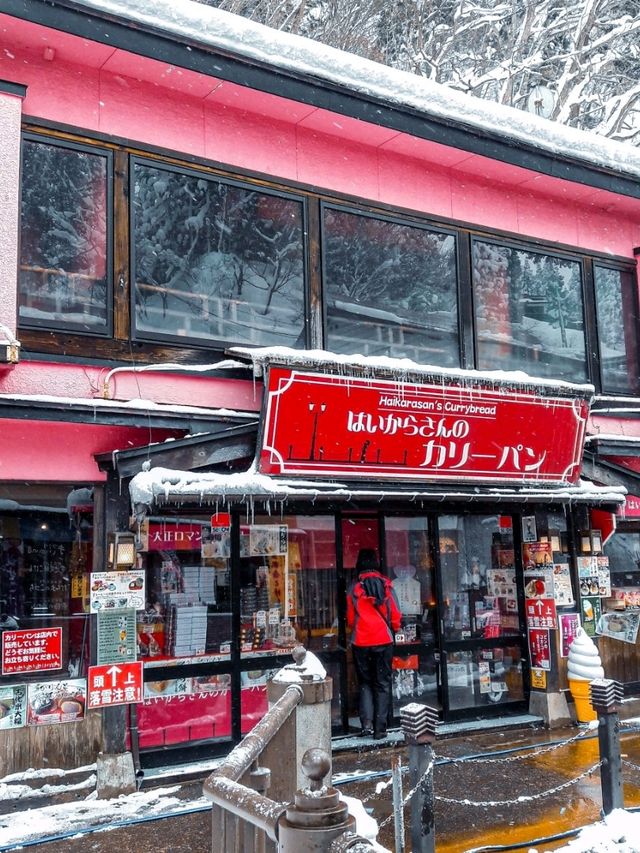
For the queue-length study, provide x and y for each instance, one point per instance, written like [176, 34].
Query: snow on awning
[404, 369]
[159, 486]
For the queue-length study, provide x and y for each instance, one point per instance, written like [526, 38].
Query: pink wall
[110, 91]
[182, 389]
[10, 118]
[43, 451]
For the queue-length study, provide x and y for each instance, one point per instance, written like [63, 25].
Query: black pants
[373, 670]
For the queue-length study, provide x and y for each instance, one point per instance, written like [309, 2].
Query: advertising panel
[337, 426]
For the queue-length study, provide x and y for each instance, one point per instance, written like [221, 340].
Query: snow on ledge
[404, 369]
[230, 34]
[159, 485]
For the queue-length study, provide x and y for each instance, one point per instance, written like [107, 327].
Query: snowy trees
[584, 53]
[214, 259]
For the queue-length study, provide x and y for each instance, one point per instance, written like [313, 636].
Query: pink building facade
[165, 199]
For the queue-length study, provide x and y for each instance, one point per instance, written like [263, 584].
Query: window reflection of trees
[529, 311]
[216, 260]
[63, 260]
[390, 288]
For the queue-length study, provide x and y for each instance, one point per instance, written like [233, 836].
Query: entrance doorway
[482, 632]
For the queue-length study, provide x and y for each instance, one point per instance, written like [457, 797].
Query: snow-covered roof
[164, 485]
[301, 58]
[404, 369]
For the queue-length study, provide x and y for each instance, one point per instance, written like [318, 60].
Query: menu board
[562, 589]
[619, 626]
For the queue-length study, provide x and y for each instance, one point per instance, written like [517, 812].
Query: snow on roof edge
[298, 55]
[158, 484]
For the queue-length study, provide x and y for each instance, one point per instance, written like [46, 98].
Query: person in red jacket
[373, 615]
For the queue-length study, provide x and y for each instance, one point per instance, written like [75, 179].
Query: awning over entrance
[159, 486]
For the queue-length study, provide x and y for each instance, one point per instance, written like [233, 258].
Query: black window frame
[217, 344]
[631, 270]
[71, 327]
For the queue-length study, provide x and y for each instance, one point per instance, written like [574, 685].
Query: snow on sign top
[404, 369]
[223, 31]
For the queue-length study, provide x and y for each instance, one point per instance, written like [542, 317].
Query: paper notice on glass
[562, 589]
[268, 539]
[620, 626]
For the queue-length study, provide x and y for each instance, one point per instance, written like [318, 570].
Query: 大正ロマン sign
[336, 426]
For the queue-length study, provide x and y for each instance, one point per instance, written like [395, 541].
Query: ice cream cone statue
[584, 666]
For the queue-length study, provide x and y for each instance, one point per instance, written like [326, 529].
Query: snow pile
[78, 816]
[619, 832]
[405, 368]
[366, 826]
[293, 673]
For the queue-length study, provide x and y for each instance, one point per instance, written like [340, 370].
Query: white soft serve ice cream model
[584, 665]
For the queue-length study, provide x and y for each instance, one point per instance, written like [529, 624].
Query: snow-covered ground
[617, 833]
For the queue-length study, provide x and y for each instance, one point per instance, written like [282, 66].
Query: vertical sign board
[328, 425]
[116, 633]
[114, 684]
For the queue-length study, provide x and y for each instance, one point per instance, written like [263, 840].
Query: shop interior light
[122, 550]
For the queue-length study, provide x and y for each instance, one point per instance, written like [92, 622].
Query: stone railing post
[307, 728]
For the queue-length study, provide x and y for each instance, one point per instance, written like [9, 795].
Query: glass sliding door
[482, 634]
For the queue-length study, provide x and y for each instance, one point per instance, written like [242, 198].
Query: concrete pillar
[309, 727]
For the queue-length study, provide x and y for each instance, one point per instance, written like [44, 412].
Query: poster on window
[588, 576]
[562, 589]
[32, 650]
[52, 702]
[569, 624]
[13, 706]
[536, 554]
[539, 648]
[538, 583]
[268, 539]
[117, 591]
[621, 626]
[116, 634]
[529, 533]
[591, 612]
[604, 577]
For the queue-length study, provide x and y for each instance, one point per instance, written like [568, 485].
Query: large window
[617, 310]
[390, 289]
[64, 257]
[209, 261]
[216, 261]
[528, 312]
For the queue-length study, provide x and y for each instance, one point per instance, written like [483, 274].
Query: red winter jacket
[372, 624]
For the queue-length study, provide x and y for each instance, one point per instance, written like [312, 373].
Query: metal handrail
[223, 787]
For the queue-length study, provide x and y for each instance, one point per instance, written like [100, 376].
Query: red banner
[36, 650]
[337, 426]
[175, 537]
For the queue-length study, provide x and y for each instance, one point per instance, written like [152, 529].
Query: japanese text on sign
[118, 684]
[335, 425]
[541, 613]
[31, 651]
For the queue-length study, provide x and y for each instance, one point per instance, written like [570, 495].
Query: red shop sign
[114, 684]
[175, 537]
[337, 426]
[539, 648]
[541, 613]
[36, 650]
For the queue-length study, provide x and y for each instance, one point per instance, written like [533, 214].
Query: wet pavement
[459, 826]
